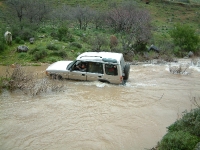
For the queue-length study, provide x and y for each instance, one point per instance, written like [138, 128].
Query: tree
[185, 37]
[98, 41]
[32, 11]
[133, 24]
[19, 6]
[83, 16]
[98, 18]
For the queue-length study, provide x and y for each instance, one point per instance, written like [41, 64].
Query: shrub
[24, 34]
[98, 42]
[184, 134]
[2, 46]
[78, 32]
[39, 55]
[34, 50]
[60, 53]
[185, 37]
[52, 59]
[64, 35]
[17, 39]
[190, 122]
[74, 44]
[113, 42]
[52, 47]
[22, 55]
[178, 140]
[2, 42]
[140, 47]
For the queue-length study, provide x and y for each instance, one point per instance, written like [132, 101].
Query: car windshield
[70, 64]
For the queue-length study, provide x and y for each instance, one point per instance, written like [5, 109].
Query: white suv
[100, 66]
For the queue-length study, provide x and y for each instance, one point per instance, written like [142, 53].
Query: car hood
[59, 65]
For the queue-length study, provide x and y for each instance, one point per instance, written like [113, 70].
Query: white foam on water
[146, 65]
[140, 85]
[93, 83]
[195, 68]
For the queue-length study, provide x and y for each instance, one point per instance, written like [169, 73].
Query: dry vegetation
[28, 82]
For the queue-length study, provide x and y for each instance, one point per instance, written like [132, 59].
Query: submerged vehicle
[92, 66]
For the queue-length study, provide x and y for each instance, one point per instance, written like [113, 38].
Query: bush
[60, 53]
[22, 55]
[39, 55]
[33, 51]
[98, 42]
[2, 46]
[52, 59]
[17, 40]
[52, 47]
[190, 122]
[113, 42]
[24, 34]
[74, 44]
[185, 37]
[184, 134]
[2, 43]
[64, 35]
[178, 140]
[140, 47]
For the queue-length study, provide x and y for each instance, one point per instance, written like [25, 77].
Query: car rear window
[111, 69]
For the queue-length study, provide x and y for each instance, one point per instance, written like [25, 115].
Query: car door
[112, 73]
[75, 73]
[95, 71]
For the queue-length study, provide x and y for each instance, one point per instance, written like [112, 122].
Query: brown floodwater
[98, 116]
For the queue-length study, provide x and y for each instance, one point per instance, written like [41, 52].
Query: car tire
[53, 76]
[59, 77]
[126, 71]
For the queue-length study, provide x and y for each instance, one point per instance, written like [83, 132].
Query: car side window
[111, 69]
[80, 66]
[95, 67]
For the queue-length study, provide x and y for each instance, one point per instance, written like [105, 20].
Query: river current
[98, 116]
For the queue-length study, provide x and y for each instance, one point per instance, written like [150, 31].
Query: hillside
[164, 15]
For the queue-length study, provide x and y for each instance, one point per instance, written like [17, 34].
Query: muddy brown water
[98, 116]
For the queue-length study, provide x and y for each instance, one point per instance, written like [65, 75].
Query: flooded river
[98, 116]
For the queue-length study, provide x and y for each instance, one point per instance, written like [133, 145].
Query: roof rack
[109, 60]
[90, 56]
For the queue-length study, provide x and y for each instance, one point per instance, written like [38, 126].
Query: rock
[197, 147]
[190, 54]
[22, 48]
[31, 40]
[154, 48]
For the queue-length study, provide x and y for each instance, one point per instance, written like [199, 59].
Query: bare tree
[33, 10]
[62, 13]
[99, 41]
[83, 16]
[19, 6]
[132, 22]
[98, 18]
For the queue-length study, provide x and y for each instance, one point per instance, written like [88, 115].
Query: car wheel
[59, 77]
[53, 76]
[126, 71]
